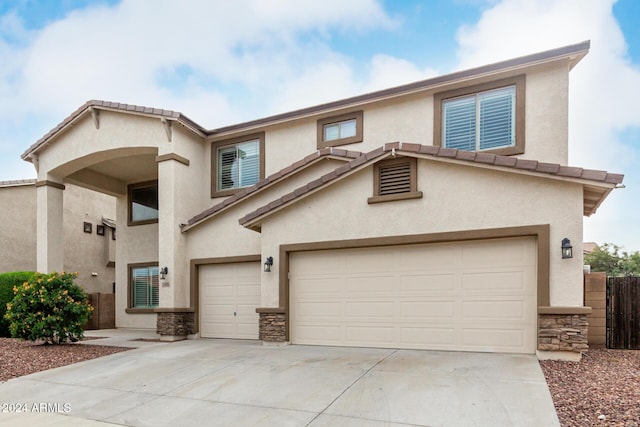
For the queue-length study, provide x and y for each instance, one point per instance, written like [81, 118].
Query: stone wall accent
[176, 323]
[595, 296]
[272, 327]
[563, 332]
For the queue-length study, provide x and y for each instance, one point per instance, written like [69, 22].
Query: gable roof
[88, 106]
[597, 184]
[573, 53]
[330, 152]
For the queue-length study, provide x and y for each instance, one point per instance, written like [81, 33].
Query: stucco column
[49, 230]
[175, 318]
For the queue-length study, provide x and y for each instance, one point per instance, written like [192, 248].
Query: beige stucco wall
[410, 119]
[456, 198]
[223, 236]
[17, 228]
[83, 253]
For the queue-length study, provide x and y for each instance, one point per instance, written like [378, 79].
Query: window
[143, 203]
[236, 163]
[395, 179]
[143, 288]
[487, 117]
[340, 130]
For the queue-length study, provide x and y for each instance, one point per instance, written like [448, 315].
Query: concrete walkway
[243, 383]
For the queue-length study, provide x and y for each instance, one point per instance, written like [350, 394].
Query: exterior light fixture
[567, 249]
[163, 272]
[267, 264]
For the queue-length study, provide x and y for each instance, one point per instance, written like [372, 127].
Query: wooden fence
[623, 312]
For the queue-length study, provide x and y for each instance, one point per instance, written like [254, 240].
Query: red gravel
[18, 358]
[601, 390]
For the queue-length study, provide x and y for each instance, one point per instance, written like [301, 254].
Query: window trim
[130, 309]
[354, 115]
[413, 181]
[216, 145]
[520, 85]
[130, 189]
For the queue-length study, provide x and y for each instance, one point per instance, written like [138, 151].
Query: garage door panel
[435, 338]
[503, 310]
[371, 309]
[429, 284]
[230, 294]
[327, 285]
[319, 309]
[425, 310]
[450, 296]
[438, 256]
[370, 285]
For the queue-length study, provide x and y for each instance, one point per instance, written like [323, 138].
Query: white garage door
[229, 295]
[468, 296]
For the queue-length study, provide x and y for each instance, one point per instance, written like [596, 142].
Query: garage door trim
[540, 232]
[195, 278]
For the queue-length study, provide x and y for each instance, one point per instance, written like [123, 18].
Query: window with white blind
[236, 164]
[143, 287]
[340, 130]
[481, 121]
[487, 117]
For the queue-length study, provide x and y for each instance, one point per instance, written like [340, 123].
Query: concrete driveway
[243, 383]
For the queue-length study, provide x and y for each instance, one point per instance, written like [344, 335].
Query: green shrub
[49, 307]
[7, 283]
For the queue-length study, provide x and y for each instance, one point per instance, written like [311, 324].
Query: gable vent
[395, 178]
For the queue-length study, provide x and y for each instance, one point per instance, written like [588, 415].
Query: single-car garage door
[467, 296]
[229, 295]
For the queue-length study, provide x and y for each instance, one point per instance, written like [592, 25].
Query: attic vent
[395, 179]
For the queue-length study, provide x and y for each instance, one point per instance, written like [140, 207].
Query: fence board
[623, 313]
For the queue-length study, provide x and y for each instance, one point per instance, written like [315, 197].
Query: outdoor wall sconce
[267, 264]
[163, 272]
[567, 249]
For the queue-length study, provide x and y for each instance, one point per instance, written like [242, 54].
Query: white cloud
[604, 89]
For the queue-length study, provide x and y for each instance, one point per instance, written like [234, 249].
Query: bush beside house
[7, 282]
[49, 307]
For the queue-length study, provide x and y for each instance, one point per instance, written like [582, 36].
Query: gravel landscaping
[601, 390]
[18, 358]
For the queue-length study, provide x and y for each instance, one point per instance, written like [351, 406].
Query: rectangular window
[236, 164]
[482, 121]
[144, 292]
[143, 203]
[487, 117]
[340, 130]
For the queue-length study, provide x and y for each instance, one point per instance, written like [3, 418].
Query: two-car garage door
[473, 296]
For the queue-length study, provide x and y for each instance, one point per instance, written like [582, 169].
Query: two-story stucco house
[426, 216]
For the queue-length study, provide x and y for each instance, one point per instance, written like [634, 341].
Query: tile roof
[572, 52]
[17, 182]
[447, 154]
[329, 152]
[130, 108]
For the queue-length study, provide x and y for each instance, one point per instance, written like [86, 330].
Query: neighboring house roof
[588, 247]
[597, 183]
[333, 153]
[574, 53]
[17, 183]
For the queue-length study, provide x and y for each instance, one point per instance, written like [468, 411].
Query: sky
[224, 62]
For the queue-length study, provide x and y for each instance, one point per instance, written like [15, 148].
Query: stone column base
[175, 324]
[563, 329]
[272, 327]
